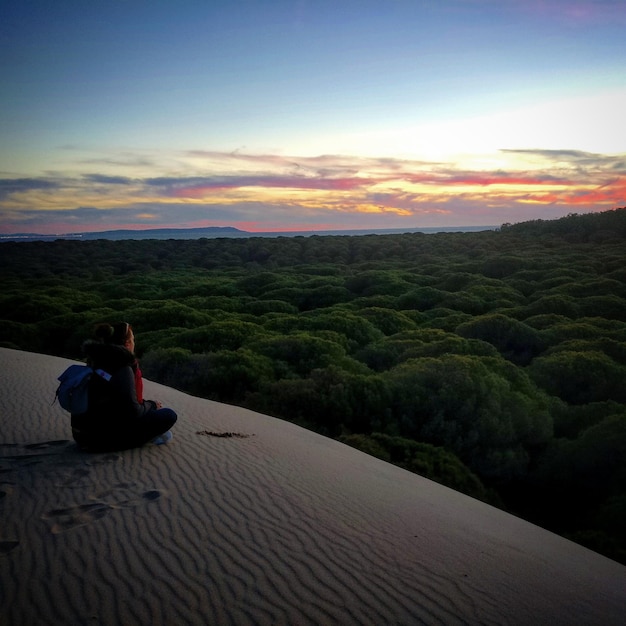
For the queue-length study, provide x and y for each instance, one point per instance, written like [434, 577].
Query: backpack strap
[103, 374]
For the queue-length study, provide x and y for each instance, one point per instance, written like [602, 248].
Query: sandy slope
[276, 526]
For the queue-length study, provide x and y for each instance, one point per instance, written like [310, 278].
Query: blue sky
[291, 115]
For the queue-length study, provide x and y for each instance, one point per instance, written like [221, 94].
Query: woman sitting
[117, 416]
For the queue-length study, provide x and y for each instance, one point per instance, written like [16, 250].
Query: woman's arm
[123, 382]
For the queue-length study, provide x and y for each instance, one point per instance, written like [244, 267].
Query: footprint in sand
[6, 545]
[33, 454]
[75, 516]
[72, 473]
[120, 496]
[125, 495]
[73, 477]
[103, 458]
[54, 454]
[47, 444]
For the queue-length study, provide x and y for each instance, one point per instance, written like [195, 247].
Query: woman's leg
[151, 425]
[126, 435]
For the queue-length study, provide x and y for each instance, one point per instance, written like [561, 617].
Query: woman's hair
[116, 334]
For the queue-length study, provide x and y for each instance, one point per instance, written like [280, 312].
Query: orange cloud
[612, 193]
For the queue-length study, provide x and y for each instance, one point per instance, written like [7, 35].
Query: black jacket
[113, 404]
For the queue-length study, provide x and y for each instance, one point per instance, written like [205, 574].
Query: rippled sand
[246, 519]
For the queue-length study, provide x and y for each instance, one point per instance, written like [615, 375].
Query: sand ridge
[246, 519]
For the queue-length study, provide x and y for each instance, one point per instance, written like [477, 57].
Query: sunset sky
[279, 115]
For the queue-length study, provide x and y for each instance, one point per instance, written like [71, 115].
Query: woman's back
[117, 416]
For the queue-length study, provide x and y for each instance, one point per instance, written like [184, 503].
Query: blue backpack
[72, 392]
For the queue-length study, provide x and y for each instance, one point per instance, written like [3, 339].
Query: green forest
[493, 362]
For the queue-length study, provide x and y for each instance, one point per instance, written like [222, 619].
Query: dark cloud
[173, 182]
[576, 157]
[554, 154]
[196, 185]
[10, 186]
[107, 180]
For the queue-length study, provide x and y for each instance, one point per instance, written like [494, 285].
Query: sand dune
[275, 525]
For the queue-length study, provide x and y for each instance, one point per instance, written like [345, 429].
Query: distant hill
[128, 233]
[214, 232]
[168, 233]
